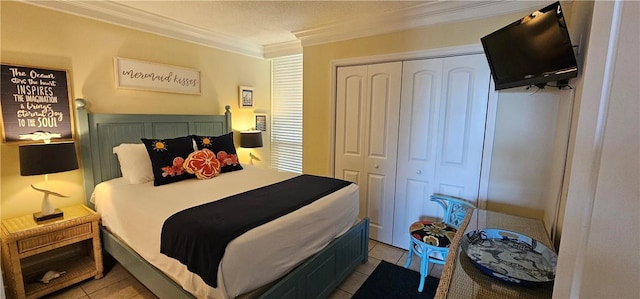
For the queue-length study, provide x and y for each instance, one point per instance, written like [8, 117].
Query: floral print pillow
[224, 149]
[203, 164]
[168, 157]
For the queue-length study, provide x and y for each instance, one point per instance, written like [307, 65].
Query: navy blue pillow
[167, 158]
[224, 149]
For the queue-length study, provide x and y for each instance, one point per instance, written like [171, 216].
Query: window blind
[286, 113]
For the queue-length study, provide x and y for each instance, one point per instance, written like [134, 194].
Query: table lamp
[251, 139]
[37, 159]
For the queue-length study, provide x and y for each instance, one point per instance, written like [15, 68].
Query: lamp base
[39, 217]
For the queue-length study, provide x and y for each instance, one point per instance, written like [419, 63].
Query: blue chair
[428, 238]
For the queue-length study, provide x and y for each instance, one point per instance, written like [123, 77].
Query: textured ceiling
[266, 22]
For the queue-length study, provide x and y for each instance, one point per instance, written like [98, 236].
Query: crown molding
[410, 18]
[283, 49]
[418, 16]
[121, 15]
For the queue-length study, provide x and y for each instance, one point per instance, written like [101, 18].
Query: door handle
[419, 171]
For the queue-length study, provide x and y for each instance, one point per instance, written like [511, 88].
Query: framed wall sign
[35, 104]
[246, 97]
[261, 121]
[143, 75]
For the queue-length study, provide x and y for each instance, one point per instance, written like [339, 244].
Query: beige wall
[85, 48]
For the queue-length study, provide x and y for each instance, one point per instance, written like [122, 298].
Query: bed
[317, 270]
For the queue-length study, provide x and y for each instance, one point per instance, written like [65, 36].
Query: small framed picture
[246, 97]
[261, 122]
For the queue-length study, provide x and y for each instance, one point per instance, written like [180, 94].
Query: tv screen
[534, 50]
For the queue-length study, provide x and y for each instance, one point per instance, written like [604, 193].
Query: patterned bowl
[510, 256]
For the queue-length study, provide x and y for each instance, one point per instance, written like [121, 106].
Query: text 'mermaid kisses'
[35, 95]
[161, 77]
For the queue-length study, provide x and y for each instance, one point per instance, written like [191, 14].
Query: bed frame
[317, 277]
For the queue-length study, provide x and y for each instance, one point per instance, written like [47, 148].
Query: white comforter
[135, 213]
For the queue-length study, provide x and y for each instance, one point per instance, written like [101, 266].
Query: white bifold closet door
[441, 135]
[406, 130]
[367, 118]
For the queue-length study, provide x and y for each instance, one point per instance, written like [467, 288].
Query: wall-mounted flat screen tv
[534, 50]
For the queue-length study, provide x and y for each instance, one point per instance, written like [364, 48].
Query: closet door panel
[417, 189]
[383, 116]
[375, 203]
[350, 126]
[367, 112]
[441, 136]
[461, 129]
[384, 85]
[421, 91]
[455, 141]
[421, 106]
[351, 119]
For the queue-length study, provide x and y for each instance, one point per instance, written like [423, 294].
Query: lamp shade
[251, 139]
[47, 158]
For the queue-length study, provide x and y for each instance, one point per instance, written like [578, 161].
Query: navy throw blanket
[198, 236]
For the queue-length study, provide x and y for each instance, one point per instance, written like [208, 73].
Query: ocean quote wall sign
[35, 104]
[143, 75]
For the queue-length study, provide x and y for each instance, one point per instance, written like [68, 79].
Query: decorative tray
[510, 256]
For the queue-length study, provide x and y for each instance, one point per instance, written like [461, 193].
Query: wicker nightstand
[30, 249]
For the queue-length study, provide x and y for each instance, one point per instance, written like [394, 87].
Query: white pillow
[135, 163]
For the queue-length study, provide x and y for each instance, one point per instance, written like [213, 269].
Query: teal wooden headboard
[99, 133]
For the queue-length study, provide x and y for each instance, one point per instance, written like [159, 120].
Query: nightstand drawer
[53, 237]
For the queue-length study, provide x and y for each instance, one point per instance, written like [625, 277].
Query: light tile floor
[119, 284]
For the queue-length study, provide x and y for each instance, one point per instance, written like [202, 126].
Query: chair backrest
[455, 209]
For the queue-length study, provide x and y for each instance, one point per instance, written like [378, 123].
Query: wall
[599, 255]
[45, 38]
[579, 28]
[523, 150]
[525, 137]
